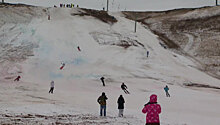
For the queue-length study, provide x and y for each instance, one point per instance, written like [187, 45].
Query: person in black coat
[121, 102]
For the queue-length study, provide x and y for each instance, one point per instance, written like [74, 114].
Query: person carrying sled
[103, 82]
[17, 78]
[166, 89]
[120, 102]
[102, 101]
[124, 88]
[51, 87]
[153, 110]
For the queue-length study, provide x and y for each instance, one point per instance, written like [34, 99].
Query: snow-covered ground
[34, 47]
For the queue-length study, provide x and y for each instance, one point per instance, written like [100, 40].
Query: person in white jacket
[51, 87]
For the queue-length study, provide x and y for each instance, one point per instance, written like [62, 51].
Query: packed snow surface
[34, 48]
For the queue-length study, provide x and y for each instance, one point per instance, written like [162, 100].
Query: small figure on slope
[120, 102]
[166, 89]
[103, 82]
[17, 78]
[51, 87]
[124, 88]
[148, 54]
[62, 66]
[102, 102]
[153, 110]
[78, 48]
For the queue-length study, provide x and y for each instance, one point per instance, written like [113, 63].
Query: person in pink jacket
[153, 110]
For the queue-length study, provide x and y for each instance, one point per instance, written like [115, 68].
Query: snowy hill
[194, 32]
[34, 48]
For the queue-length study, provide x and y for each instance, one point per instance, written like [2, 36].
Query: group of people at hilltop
[68, 5]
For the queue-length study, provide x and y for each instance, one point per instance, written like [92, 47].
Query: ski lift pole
[107, 5]
[135, 24]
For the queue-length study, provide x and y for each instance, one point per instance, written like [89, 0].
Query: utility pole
[135, 24]
[107, 5]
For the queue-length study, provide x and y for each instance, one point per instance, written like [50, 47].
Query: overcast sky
[115, 5]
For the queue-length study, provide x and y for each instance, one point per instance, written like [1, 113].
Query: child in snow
[153, 110]
[124, 88]
[63, 64]
[166, 89]
[51, 87]
[102, 101]
[120, 102]
[103, 82]
[18, 78]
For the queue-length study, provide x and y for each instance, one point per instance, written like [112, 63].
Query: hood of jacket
[153, 98]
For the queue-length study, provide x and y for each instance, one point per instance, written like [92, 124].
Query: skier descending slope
[17, 78]
[166, 89]
[63, 64]
[78, 48]
[51, 87]
[103, 82]
[102, 101]
[124, 88]
[153, 110]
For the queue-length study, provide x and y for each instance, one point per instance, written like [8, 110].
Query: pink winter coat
[153, 110]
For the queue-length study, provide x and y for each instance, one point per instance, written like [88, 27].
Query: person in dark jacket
[18, 78]
[120, 102]
[124, 88]
[103, 82]
[102, 101]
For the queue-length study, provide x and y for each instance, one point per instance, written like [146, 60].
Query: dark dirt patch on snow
[101, 15]
[200, 85]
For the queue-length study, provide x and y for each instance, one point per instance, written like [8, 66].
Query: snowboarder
[124, 88]
[48, 17]
[147, 53]
[120, 102]
[51, 87]
[166, 89]
[153, 110]
[103, 82]
[63, 64]
[78, 48]
[17, 78]
[102, 101]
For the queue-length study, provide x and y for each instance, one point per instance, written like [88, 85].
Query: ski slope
[34, 47]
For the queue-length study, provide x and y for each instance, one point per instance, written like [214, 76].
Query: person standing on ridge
[103, 82]
[102, 101]
[166, 89]
[153, 110]
[120, 102]
[124, 88]
[51, 87]
[17, 78]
